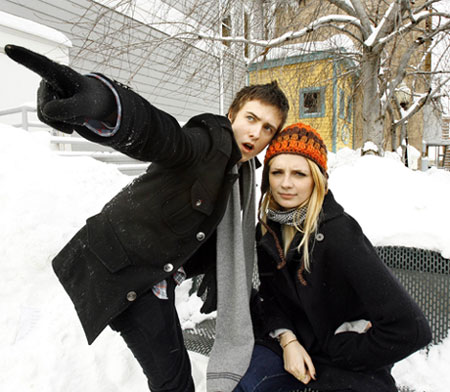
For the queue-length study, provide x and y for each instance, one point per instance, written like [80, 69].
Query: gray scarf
[233, 345]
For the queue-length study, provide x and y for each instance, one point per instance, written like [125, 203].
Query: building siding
[174, 76]
[307, 73]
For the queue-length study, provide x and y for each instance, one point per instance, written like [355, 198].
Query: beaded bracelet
[290, 341]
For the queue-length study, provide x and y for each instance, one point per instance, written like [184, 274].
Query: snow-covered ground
[45, 199]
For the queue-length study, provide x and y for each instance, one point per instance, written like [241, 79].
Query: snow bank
[393, 204]
[45, 199]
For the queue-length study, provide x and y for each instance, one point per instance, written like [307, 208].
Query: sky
[45, 199]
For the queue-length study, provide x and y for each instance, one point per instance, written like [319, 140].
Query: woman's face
[290, 180]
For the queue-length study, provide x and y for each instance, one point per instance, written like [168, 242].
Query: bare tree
[394, 41]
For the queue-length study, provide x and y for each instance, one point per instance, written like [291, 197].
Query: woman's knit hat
[298, 139]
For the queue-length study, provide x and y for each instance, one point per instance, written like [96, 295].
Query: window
[312, 102]
[226, 28]
[341, 104]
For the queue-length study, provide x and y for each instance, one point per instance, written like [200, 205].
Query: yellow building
[320, 93]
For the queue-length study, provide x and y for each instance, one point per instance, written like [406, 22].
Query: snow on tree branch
[374, 37]
[289, 36]
[409, 26]
[418, 102]
[344, 5]
[364, 19]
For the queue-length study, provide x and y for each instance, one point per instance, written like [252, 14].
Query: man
[187, 215]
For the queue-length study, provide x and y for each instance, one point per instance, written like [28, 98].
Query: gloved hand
[208, 286]
[65, 99]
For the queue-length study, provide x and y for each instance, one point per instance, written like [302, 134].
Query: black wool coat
[347, 282]
[164, 219]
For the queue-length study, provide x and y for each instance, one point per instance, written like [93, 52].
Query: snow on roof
[30, 27]
[336, 42]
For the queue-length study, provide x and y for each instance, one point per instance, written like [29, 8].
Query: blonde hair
[309, 226]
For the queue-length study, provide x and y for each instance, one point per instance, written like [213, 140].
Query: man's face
[254, 126]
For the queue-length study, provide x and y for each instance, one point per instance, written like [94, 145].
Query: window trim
[306, 90]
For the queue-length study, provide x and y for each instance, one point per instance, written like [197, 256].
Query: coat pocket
[185, 210]
[201, 199]
[103, 242]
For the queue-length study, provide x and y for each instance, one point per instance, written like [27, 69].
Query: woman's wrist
[283, 346]
[286, 338]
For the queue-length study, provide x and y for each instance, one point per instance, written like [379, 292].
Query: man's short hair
[269, 94]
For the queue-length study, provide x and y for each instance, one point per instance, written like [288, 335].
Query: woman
[334, 318]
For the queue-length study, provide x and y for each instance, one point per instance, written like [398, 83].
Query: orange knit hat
[299, 139]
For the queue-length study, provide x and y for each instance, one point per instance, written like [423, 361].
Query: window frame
[321, 104]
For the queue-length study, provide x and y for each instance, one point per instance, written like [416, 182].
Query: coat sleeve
[149, 134]
[399, 327]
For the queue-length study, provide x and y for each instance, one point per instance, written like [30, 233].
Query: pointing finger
[58, 76]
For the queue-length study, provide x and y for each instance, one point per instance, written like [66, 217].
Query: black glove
[66, 99]
[208, 286]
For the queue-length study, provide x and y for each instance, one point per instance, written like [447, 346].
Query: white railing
[73, 146]
[23, 110]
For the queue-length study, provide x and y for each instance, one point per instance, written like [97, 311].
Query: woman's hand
[359, 326]
[296, 360]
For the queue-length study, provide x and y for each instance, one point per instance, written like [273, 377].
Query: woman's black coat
[159, 221]
[347, 282]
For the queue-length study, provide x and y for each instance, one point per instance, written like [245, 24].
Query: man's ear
[230, 116]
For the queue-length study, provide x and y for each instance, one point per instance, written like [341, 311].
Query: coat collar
[235, 151]
[236, 155]
[330, 210]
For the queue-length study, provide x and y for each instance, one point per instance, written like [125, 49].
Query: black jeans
[152, 331]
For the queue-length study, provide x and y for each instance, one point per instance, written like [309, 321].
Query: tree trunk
[371, 111]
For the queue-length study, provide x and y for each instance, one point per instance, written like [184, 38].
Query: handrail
[17, 109]
[24, 109]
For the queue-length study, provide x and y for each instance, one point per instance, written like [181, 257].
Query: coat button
[198, 203]
[168, 267]
[319, 237]
[131, 296]
[200, 236]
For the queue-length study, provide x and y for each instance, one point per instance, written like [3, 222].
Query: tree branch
[289, 36]
[386, 24]
[409, 26]
[268, 47]
[344, 6]
[414, 108]
[361, 14]
[425, 6]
